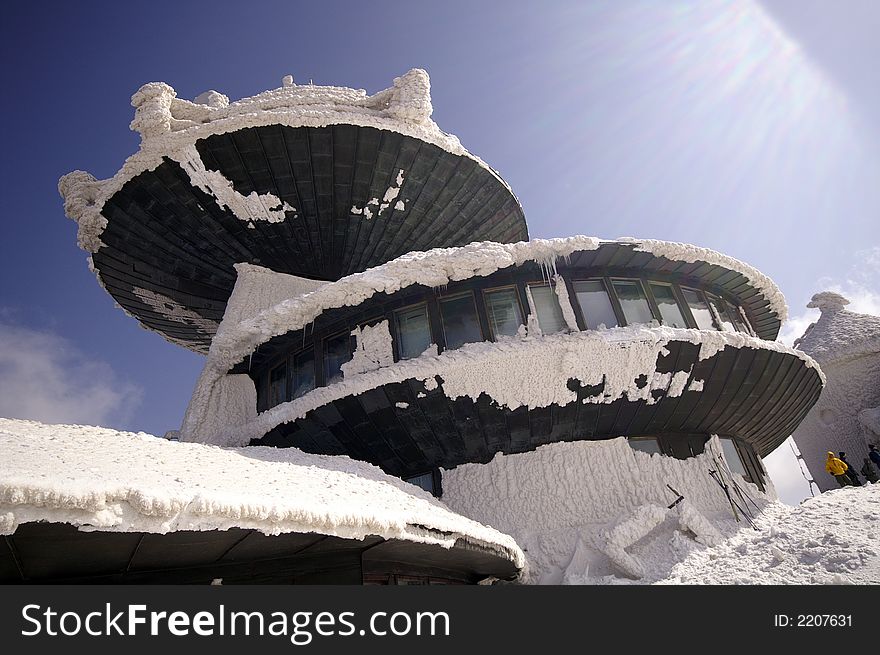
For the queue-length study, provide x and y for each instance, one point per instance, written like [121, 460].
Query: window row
[597, 302]
[737, 457]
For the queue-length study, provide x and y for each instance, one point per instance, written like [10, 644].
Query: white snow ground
[833, 538]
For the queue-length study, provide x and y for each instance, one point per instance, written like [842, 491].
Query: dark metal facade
[169, 237]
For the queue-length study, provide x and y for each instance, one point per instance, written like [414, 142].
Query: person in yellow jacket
[837, 468]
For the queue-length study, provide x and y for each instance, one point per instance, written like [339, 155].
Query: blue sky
[745, 127]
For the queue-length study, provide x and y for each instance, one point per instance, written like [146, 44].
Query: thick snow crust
[561, 290]
[373, 351]
[590, 512]
[248, 209]
[257, 289]
[170, 127]
[101, 479]
[233, 404]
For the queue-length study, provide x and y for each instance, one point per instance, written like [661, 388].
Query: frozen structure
[364, 287]
[847, 415]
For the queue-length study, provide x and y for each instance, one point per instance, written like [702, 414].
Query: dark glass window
[648, 445]
[633, 301]
[337, 351]
[739, 319]
[460, 322]
[425, 481]
[720, 308]
[262, 393]
[699, 308]
[670, 312]
[278, 385]
[595, 304]
[303, 373]
[502, 308]
[413, 331]
[731, 456]
[550, 317]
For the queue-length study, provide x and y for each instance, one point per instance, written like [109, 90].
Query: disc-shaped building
[364, 286]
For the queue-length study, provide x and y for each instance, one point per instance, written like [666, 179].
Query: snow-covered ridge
[97, 478]
[170, 126]
[515, 372]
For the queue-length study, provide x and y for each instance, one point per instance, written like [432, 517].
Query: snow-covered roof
[437, 268]
[102, 479]
[839, 334]
[170, 126]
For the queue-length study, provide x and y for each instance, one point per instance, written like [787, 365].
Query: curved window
[502, 309]
[425, 481]
[670, 312]
[731, 456]
[303, 377]
[633, 301]
[460, 322]
[720, 308]
[596, 307]
[278, 385]
[648, 445]
[413, 331]
[699, 308]
[337, 351]
[739, 319]
[597, 301]
[546, 305]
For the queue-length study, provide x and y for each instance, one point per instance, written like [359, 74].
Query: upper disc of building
[315, 181]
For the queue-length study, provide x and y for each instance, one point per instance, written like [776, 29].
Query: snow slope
[831, 539]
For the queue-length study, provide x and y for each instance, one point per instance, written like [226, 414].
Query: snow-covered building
[365, 287]
[86, 504]
[847, 414]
